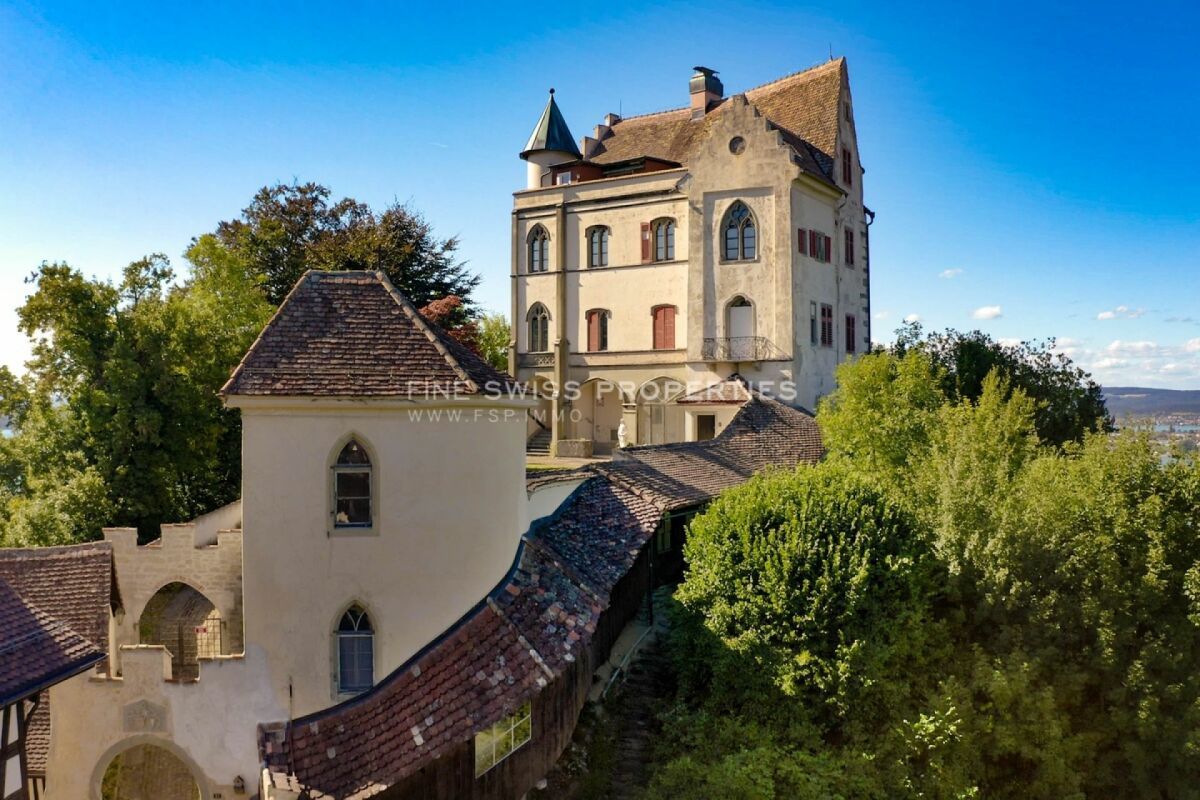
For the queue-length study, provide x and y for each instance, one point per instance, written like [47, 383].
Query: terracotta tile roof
[804, 106]
[37, 650]
[764, 433]
[535, 622]
[734, 390]
[343, 334]
[72, 585]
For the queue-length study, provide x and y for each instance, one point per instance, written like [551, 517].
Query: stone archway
[147, 769]
[656, 422]
[187, 623]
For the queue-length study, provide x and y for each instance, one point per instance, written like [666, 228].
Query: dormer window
[598, 247]
[539, 249]
[741, 237]
[352, 487]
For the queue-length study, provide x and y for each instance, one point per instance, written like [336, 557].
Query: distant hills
[1136, 401]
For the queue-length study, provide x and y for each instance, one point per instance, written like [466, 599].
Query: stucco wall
[449, 511]
[209, 724]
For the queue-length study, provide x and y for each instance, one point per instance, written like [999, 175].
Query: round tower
[550, 143]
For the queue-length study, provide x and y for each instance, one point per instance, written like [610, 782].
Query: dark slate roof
[551, 132]
[535, 623]
[352, 334]
[803, 106]
[734, 390]
[73, 587]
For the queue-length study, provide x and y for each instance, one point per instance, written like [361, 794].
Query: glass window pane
[353, 453]
[522, 732]
[731, 243]
[354, 484]
[353, 511]
[748, 240]
[670, 241]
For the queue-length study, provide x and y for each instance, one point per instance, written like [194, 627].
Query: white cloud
[1192, 346]
[987, 312]
[1140, 362]
[913, 318]
[1141, 348]
[950, 273]
[1121, 312]
[882, 314]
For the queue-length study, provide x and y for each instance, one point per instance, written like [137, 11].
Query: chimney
[706, 90]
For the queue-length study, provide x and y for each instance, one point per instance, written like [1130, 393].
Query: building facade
[667, 251]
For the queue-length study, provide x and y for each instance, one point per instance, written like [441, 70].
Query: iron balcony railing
[739, 348]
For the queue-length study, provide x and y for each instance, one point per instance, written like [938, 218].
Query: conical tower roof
[551, 133]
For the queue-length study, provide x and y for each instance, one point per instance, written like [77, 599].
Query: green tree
[494, 336]
[288, 229]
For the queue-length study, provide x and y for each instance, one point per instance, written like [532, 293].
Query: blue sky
[1034, 170]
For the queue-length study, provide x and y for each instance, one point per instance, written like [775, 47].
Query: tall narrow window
[850, 333]
[598, 247]
[847, 168]
[826, 325]
[352, 487]
[740, 235]
[812, 322]
[539, 249]
[356, 652]
[849, 247]
[664, 239]
[597, 323]
[664, 327]
[538, 319]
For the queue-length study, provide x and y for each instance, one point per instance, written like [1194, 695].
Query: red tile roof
[535, 622]
[734, 390]
[804, 106]
[353, 334]
[54, 610]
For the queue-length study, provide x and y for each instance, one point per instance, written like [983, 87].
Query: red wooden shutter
[668, 328]
[658, 328]
[646, 243]
[593, 325]
[828, 249]
[803, 238]
[812, 243]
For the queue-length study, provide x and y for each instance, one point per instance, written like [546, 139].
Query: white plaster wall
[449, 515]
[210, 724]
[630, 295]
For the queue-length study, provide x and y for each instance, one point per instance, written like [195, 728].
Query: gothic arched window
[741, 237]
[539, 328]
[598, 247]
[539, 249]
[355, 652]
[352, 487]
[664, 239]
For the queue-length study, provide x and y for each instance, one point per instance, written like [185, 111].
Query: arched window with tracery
[598, 247]
[664, 239]
[539, 249]
[538, 320]
[355, 652]
[352, 487]
[741, 236]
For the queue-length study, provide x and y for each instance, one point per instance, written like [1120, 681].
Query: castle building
[666, 251]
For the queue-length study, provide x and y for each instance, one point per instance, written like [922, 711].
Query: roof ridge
[78, 549]
[426, 327]
[813, 69]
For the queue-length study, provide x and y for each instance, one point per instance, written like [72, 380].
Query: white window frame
[507, 727]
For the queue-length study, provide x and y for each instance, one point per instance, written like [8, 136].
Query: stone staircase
[538, 444]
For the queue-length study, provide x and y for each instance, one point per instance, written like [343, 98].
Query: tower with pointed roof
[550, 143]
[673, 249]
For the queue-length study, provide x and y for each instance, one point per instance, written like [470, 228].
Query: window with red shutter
[802, 239]
[826, 325]
[850, 333]
[664, 327]
[812, 243]
[597, 323]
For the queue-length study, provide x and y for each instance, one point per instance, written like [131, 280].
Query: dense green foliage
[1068, 403]
[948, 607]
[117, 421]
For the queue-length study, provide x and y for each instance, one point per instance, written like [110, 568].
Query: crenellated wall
[202, 554]
[209, 724]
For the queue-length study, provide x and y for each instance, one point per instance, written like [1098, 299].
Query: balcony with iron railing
[740, 348]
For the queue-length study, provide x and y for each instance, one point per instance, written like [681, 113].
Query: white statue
[621, 441]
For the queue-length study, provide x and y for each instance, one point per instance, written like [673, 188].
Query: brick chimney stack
[706, 91]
